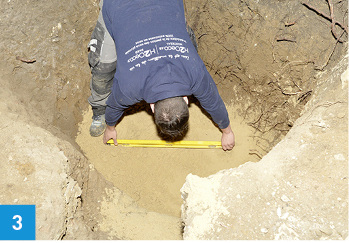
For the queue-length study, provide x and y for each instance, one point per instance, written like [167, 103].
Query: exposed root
[330, 17]
[329, 57]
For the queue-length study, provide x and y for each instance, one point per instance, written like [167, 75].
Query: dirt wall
[53, 36]
[298, 191]
[264, 56]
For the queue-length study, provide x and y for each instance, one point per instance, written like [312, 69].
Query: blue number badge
[17, 222]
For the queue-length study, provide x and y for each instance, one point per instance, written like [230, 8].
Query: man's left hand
[228, 139]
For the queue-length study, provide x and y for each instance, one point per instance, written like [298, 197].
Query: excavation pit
[266, 58]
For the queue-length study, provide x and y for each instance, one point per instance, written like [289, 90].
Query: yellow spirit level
[166, 144]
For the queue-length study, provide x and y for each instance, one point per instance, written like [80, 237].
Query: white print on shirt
[140, 54]
[180, 49]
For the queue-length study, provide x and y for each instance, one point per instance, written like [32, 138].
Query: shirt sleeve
[117, 103]
[113, 112]
[211, 101]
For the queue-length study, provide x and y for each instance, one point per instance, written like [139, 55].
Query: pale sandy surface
[154, 176]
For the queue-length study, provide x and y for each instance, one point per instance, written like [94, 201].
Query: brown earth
[263, 55]
[299, 190]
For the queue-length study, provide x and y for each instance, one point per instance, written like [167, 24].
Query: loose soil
[263, 55]
[154, 176]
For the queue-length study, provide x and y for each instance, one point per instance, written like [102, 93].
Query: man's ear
[186, 99]
[152, 107]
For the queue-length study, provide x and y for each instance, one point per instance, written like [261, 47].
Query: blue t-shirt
[156, 58]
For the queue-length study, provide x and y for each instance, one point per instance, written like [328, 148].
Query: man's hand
[228, 139]
[110, 133]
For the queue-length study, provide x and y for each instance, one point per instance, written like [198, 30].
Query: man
[157, 62]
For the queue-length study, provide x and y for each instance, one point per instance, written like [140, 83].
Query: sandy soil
[137, 171]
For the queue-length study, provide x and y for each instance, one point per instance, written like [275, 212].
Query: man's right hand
[110, 133]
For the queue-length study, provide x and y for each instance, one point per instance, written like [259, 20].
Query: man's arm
[211, 101]
[207, 93]
[111, 118]
[114, 111]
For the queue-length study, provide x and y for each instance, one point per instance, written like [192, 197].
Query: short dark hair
[171, 116]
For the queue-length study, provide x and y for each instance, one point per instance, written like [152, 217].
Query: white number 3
[19, 222]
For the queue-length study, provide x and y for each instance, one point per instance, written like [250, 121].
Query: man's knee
[101, 86]
[104, 69]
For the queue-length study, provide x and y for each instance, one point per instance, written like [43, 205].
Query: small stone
[341, 115]
[284, 198]
[278, 211]
[339, 157]
[91, 167]
[55, 39]
[264, 230]
[326, 230]
[285, 215]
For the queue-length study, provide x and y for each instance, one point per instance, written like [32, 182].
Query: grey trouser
[102, 60]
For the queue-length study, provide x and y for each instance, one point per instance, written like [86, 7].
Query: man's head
[171, 116]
